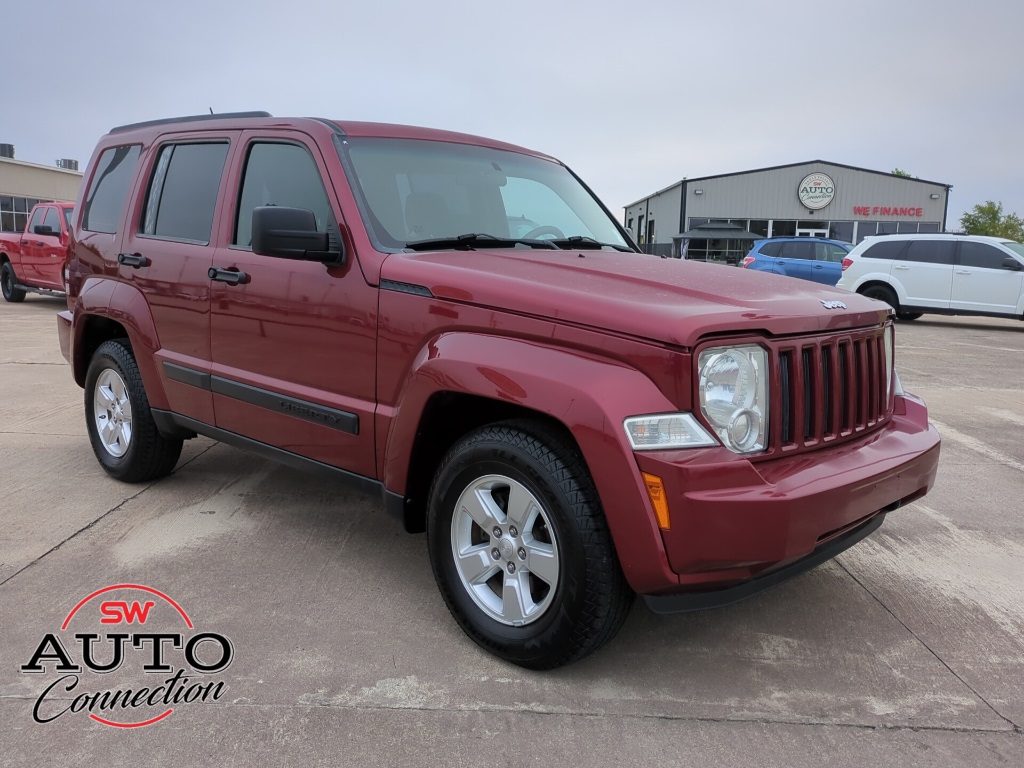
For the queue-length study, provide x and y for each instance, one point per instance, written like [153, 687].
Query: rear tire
[908, 316]
[883, 293]
[9, 284]
[520, 547]
[123, 434]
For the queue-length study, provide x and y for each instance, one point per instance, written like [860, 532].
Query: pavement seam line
[110, 511]
[1012, 732]
[1016, 728]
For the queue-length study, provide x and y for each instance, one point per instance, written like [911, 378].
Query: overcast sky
[633, 96]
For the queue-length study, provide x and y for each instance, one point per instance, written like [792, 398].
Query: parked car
[809, 258]
[943, 274]
[36, 260]
[570, 420]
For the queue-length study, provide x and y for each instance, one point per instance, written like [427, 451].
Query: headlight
[667, 431]
[734, 395]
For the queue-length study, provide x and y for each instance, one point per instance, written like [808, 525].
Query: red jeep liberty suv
[459, 326]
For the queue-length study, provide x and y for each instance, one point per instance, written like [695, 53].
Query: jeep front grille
[827, 389]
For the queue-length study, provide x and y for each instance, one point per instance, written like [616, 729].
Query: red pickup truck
[36, 260]
[458, 326]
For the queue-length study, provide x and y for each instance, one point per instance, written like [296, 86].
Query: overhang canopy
[717, 232]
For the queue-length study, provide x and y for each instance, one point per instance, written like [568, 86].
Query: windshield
[414, 191]
[1015, 247]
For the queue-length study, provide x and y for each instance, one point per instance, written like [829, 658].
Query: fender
[588, 395]
[127, 306]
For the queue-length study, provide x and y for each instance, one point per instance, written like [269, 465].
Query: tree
[988, 219]
[900, 172]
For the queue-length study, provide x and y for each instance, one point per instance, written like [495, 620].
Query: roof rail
[188, 119]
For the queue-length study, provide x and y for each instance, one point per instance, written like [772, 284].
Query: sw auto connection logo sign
[816, 190]
[130, 676]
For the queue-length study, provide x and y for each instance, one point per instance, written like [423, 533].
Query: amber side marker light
[656, 492]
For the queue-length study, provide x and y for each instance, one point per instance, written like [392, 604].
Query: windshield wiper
[582, 241]
[473, 240]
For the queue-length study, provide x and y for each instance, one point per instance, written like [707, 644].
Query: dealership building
[22, 185]
[704, 217]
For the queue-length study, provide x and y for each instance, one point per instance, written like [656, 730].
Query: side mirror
[44, 229]
[1012, 264]
[289, 233]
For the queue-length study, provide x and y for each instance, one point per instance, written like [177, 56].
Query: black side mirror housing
[290, 233]
[1012, 264]
[44, 229]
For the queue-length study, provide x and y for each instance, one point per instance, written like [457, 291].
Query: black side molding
[324, 415]
[699, 601]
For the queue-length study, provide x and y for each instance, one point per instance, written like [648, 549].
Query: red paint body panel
[38, 260]
[585, 338]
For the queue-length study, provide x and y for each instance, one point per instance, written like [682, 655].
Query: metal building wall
[772, 194]
[39, 181]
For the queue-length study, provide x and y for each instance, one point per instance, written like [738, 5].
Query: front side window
[37, 219]
[412, 191]
[52, 221]
[829, 252]
[284, 175]
[981, 255]
[109, 188]
[182, 192]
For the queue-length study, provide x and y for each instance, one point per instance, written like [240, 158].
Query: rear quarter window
[886, 249]
[108, 189]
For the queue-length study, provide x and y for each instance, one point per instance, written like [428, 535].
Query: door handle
[230, 276]
[962, 272]
[900, 267]
[133, 260]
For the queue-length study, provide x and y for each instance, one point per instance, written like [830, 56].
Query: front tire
[9, 284]
[520, 548]
[123, 434]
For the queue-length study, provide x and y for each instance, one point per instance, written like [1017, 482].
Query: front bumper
[736, 522]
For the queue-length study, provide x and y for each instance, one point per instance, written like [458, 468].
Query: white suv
[944, 274]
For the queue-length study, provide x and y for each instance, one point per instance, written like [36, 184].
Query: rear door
[294, 342]
[168, 248]
[981, 281]
[925, 271]
[796, 259]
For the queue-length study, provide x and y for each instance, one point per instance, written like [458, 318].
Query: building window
[14, 212]
[841, 230]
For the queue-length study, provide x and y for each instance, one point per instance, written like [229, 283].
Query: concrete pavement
[907, 650]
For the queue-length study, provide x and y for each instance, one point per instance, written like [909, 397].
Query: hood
[666, 300]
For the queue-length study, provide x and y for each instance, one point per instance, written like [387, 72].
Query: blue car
[809, 258]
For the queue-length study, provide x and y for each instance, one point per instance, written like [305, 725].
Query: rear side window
[771, 249]
[182, 193]
[930, 251]
[886, 249]
[981, 255]
[798, 250]
[280, 174]
[106, 196]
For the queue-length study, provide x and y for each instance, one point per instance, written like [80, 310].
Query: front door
[812, 233]
[982, 282]
[294, 342]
